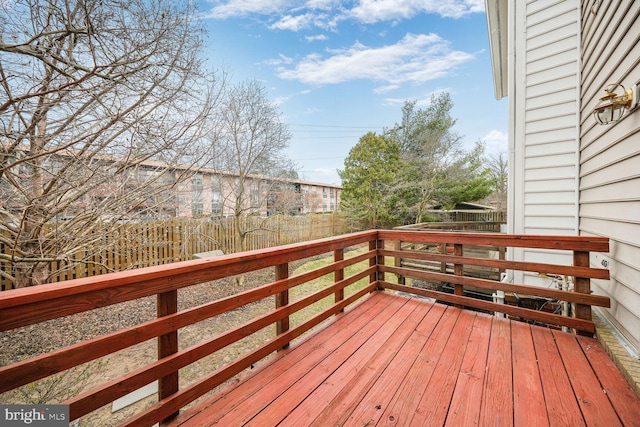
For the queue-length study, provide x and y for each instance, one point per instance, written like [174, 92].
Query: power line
[336, 126]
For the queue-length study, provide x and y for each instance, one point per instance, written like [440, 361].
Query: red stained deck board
[370, 407]
[380, 365]
[497, 397]
[407, 392]
[594, 403]
[442, 363]
[334, 368]
[315, 349]
[562, 407]
[624, 400]
[434, 405]
[528, 399]
[467, 397]
[356, 368]
[294, 385]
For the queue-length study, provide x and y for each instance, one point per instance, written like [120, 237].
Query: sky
[338, 70]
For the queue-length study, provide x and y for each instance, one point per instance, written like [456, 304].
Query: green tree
[436, 169]
[368, 180]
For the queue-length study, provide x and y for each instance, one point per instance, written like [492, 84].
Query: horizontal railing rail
[24, 307]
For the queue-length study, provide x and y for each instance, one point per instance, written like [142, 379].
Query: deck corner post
[376, 260]
[338, 275]
[282, 299]
[167, 303]
[397, 245]
[458, 270]
[582, 285]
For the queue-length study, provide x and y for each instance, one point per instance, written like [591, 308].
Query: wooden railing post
[582, 285]
[282, 299]
[377, 260]
[338, 275]
[398, 262]
[458, 270]
[373, 261]
[380, 258]
[167, 345]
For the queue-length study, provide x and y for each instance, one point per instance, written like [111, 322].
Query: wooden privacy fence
[118, 247]
[29, 306]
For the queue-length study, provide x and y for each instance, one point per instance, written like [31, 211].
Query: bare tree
[254, 139]
[498, 167]
[93, 94]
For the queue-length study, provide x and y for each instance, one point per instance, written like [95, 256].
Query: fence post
[338, 275]
[168, 345]
[582, 285]
[458, 270]
[282, 299]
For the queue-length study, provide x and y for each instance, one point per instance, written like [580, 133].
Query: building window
[216, 195]
[254, 194]
[196, 195]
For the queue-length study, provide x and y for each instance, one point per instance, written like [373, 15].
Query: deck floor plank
[528, 399]
[383, 394]
[408, 395]
[624, 400]
[285, 368]
[467, 398]
[562, 407]
[497, 397]
[594, 404]
[392, 360]
[353, 393]
[434, 405]
[357, 368]
[353, 352]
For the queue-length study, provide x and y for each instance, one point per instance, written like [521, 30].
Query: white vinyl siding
[610, 157]
[545, 38]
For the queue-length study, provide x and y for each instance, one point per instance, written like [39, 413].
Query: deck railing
[23, 307]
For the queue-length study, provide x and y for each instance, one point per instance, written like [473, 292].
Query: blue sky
[338, 70]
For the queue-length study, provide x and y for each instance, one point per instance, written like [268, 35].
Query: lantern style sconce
[612, 106]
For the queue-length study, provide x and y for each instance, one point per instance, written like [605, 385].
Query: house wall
[544, 70]
[610, 156]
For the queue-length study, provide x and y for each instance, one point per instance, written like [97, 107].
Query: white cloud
[496, 142]
[233, 8]
[332, 11]
[293, 23]
[371, 11]
[415, 58]
[425, 101]
[319, 37]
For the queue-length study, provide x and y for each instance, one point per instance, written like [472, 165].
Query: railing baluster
[168, 345]
[582, 285]
[282, 299]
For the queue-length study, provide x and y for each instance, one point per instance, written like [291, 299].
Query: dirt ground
[30, 341]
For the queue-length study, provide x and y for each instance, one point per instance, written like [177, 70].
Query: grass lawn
[325, 281]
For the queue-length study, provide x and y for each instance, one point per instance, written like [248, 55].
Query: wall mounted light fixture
[612, 106]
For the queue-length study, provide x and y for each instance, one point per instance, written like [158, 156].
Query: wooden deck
[394, 360]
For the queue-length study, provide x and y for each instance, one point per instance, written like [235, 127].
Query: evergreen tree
[369, 179]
